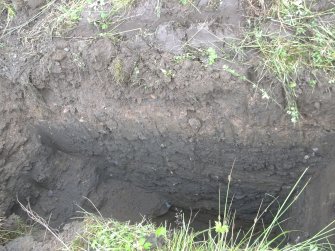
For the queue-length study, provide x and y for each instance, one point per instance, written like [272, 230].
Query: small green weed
[168, 72]
[293, 111]
[312, 83]
[104, 20]
[183, 2]
[121, 4]
[234, 73]
[212, 55]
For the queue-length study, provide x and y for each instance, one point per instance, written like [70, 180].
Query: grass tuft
[121, 4]
[66, 16]
[13, 230]
[295, 43]
[102, 234]
[58, 18]
[117, 70]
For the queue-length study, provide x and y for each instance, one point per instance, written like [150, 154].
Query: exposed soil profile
[142, 123]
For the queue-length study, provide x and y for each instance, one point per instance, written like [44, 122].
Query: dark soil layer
[117, 120]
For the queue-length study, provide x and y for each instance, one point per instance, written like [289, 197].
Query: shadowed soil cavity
[142, 124]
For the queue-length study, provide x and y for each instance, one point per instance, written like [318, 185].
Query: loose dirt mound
[85, 113]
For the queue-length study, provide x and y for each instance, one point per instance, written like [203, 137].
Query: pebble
[58, 55]
[317, 105]
[194, 123]
[215, 75]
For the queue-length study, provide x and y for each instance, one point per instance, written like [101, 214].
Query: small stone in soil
[194, 123]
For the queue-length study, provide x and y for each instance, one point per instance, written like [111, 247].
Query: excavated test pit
[71, 127]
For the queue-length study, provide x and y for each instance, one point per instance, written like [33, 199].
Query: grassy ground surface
[295, 43]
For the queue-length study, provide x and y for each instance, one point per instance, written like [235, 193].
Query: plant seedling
[212, 55]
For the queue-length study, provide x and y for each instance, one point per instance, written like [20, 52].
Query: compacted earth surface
[133, 111]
